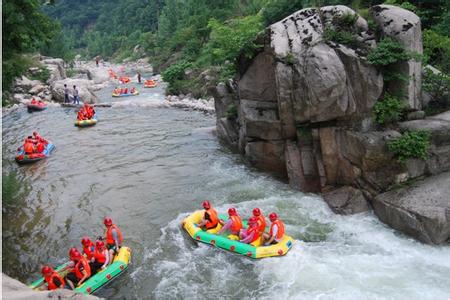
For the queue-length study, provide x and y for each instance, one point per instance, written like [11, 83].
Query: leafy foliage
[25, 28]
[412, 144]
[437, 84]
[340, 37]
[388, 110]
[229, 39]
[275, 11]
[175, 72]
[388, 52]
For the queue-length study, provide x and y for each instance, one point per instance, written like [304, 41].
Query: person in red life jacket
[210, 218]
[133, 89]
[33, 101]
[81, 270]
[52, 278]
[250, 234]
[125, 91]
[261, 220]
[37, 137]
[40, 147]
[276, 231]
[88, 247]
[28, 146]
[101, 257]
[234, 223]
[89, 111]
[113, 237]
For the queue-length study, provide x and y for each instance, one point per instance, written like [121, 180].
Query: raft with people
[35, 148]
[86, 116]
[124, 79]
[91, 268]
[36, 105]
[102, 278]
[124, 92]
[255, 248]
[149, 83]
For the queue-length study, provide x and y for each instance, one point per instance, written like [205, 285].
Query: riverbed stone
[346, 200]
[421, 210]
[56, 67]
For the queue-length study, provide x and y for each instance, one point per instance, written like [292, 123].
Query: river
[147, 166]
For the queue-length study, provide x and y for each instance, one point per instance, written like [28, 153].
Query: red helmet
[107, 221]
[74, 254]
[252, 220]
[256, 212]
[232, 211]
[85, 241]
[46, 270]
[273, 216]
[99, 244]
[206, 204]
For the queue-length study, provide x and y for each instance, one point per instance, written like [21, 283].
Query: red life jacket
[109, 235]
[256, 234]
[89, 251]
[28, 148]
[280, 232]
[261, 223]
[51, 281]
[213, 220]
[100, 256]
[40, 147]
[237, 224]
[82, 264]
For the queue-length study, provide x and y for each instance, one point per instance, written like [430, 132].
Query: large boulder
[84, 88]
[421, 210]
[404, 27]
[346, 200]
[56, 67]
[23, 84]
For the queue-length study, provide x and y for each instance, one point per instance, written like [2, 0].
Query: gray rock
[24, 84]
[415, 115]
[56, 67]
[37, 89]
[346, 200]
[268, 156]
[421, 210]
[438, 126]
[14, 290]
[404, 27]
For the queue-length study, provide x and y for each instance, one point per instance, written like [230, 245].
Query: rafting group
[119, 91]
[34, 148]
[230, 232]
[84, 268]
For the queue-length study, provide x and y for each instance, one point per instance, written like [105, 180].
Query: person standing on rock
[96, 61]
[66, 94]
[139, 77]
[76, 97]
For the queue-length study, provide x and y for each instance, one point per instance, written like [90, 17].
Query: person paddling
[210, 218]
[53, 279]
[250, 234]
[234, 223]
[113, 237]
[261, 220]
[101, 258]
[276, 232]
[81, 270]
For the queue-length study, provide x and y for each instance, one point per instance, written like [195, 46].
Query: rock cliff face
[302, 108]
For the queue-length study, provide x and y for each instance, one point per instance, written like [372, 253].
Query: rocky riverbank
[302, 108]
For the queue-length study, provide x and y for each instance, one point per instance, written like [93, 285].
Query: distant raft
[253, 250]
[150, 83]
[103, 277]
[126, 95]
[87, 123]
[38, 106]
[23, 158]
